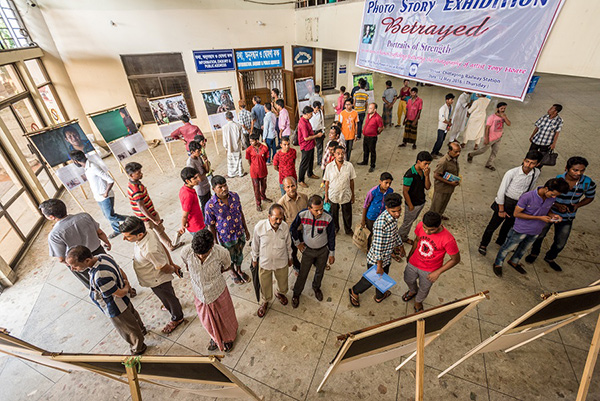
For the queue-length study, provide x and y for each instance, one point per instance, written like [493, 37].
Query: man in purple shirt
[225, 219]
[531, 215]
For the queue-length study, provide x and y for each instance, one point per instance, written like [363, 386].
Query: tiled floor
[285, 355]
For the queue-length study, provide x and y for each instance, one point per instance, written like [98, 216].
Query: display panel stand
[555, 311]
[390, 340]
[206, 370]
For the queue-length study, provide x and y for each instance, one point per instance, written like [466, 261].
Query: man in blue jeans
[101, 184]
[532, 213]
[566, 205]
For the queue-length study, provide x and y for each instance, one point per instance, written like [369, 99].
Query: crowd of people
[300, 230]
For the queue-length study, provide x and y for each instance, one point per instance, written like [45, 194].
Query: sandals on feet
[407, 296]
[228, 347]
[262, 310]
[172, 325]
[385, 295]
[212, 346]
[354, 301]
[482, 250]
[418, 308]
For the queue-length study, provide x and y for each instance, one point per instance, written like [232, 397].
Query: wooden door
[289, 96]
[304, 71]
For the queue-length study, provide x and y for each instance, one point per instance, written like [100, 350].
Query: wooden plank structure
[206, 370]
[396, 338]
[556, 310]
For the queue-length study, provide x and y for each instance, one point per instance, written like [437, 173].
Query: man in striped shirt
[108, 290]
[582, 190]
[361, 98]
[142, 205]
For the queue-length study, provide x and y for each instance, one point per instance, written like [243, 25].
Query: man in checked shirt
[386, 245]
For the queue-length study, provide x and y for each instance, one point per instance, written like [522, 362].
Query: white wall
[90, 46]
[573, 47]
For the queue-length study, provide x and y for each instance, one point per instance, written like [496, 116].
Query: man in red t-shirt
[187, 132]
[285, 162]
[257, 155]
[372, 127]
[192, 218]
[426, 258]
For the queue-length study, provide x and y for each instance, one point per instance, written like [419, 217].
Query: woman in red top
[192, 218]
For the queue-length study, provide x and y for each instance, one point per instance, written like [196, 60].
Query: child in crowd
[192, 218]
[285, 162]
[374, 204]
[142, 205]
[349, 121]
[200, 162]
[329, 155]
[257, 155]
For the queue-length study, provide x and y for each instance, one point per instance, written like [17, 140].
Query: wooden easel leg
[156, 161]
[83, 192]
[588, 371]
[117, 184]
[75, 199]
[134, 384]
[215, 141]
[170, 153]
[420, 360]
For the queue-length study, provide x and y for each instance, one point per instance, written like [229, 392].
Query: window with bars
[153, 75]
[13, 33]
[329, 67]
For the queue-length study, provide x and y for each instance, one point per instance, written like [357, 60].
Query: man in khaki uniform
[443, 188]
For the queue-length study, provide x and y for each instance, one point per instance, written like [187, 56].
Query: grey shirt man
[73, 230]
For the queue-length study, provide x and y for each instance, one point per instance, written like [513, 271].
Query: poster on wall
[128, 146]
[71, 176]
[167, 109]
[486, 46]
[114, 123]
[370, 87]
[305, 88]
[218, 102]
[56, 143]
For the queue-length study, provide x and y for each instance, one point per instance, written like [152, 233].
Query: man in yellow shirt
[361, 100]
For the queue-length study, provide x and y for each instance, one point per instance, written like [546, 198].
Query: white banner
[484, 46]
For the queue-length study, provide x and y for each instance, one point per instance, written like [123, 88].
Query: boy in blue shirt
[374, 204]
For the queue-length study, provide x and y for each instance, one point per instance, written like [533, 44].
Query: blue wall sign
[214, 60]
[303, 55]
[259, 58]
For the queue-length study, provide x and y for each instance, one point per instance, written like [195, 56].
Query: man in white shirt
[339, 189]
[154, 268]
[316, 97]
[515, 183]
[101, 184]
[317, 123]
[272, 255]
[444, 124]
[232, 142]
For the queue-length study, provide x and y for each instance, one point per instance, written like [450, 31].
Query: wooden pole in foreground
[156, 161]
[588, 371]
[420, 360]
[134, 384]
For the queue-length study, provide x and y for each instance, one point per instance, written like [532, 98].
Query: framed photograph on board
[55, 144]
[218, 102]
[167, 109]
[305, 88]
[114, 123]
[128, 146]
